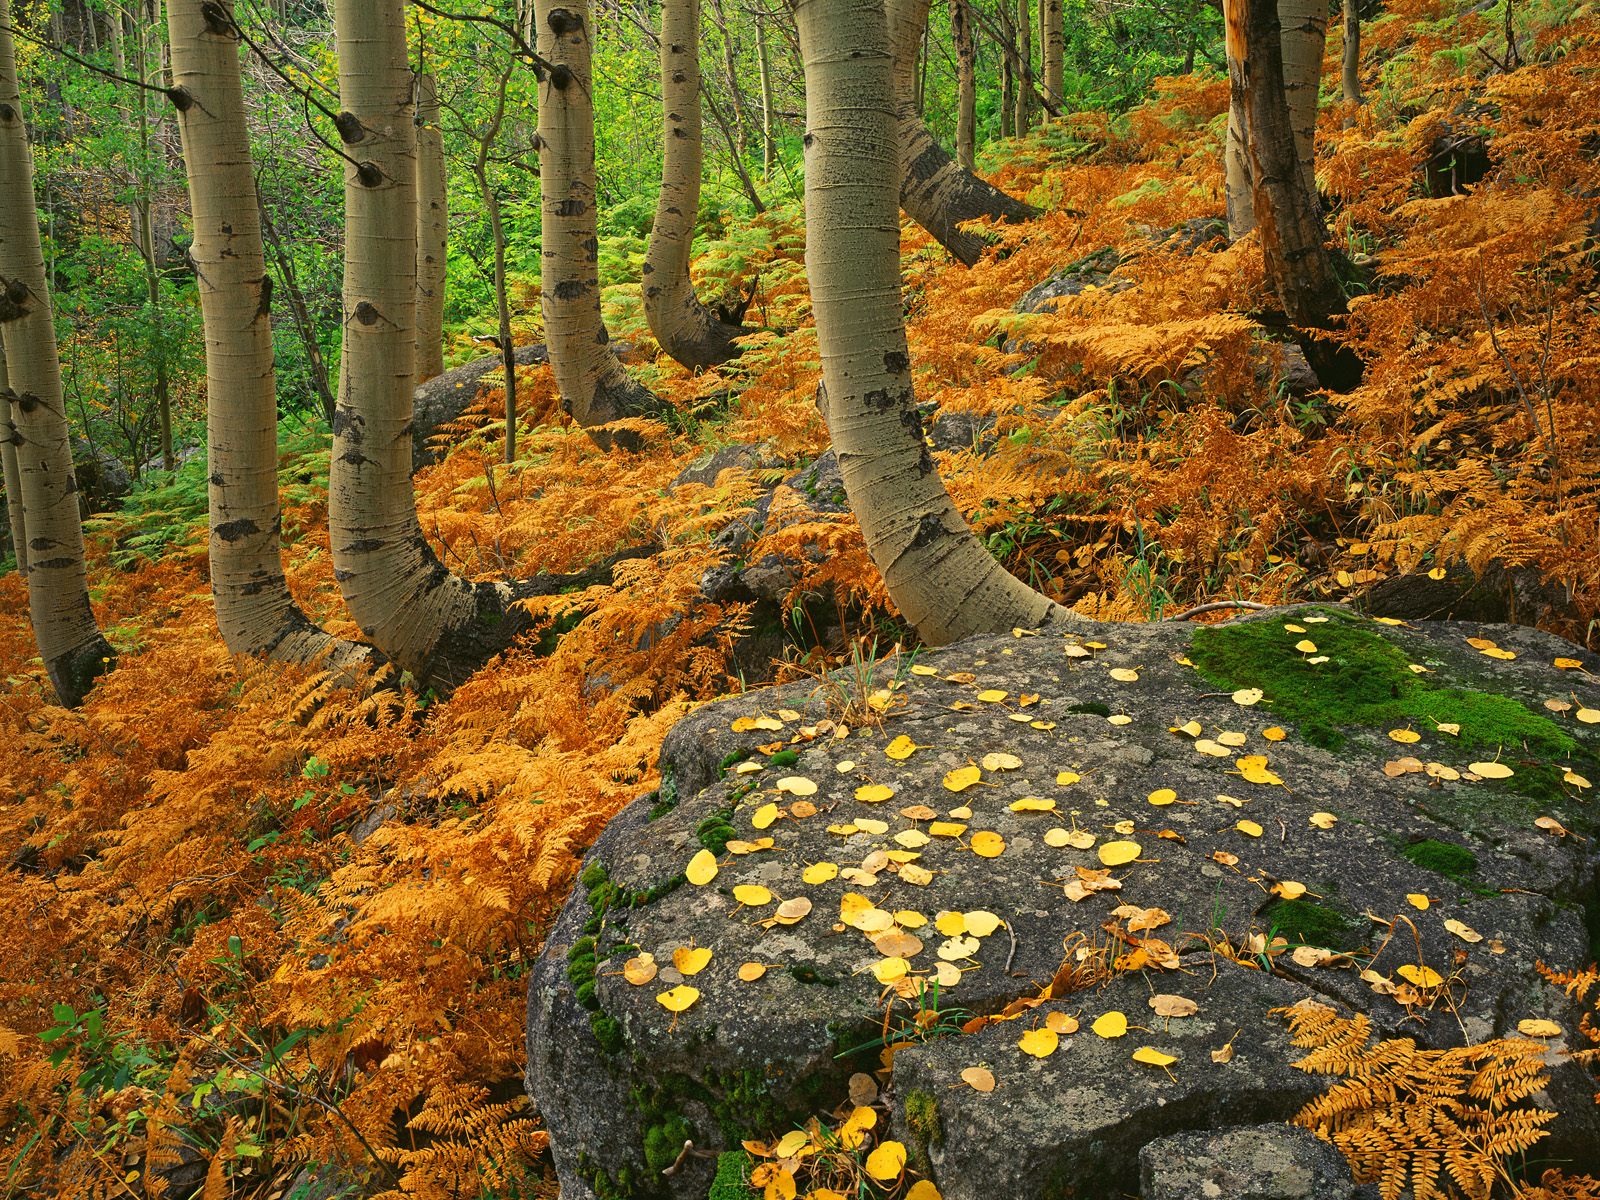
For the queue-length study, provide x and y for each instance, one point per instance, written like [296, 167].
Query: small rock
[1254, 1162]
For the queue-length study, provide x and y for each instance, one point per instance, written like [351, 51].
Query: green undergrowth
[1443, 858]
[1307, 923]
[733, 1168]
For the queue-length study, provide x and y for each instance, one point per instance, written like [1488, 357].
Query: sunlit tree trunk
[966, 86]
[934, 191]
[1293, 236]
[433, 232]
[75, 653]
[1053, 35]
[1008, 69]
[1351, 59]
[13, 480]
[1024, 117]
[595, 387]
[255, 611]
[1304, 34]
[434, 624]
[942, 579]
[686, 328]
[769, 142]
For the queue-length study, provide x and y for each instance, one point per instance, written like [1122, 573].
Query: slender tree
[944, 581]
[75, 653]
[13, 480]
[1008, 68]
[1024, 118]
[595, 387]
[433, 231]
[934, 191]
[1052, 32]
[1350, 76]
[769, 141]
[966, 85]
[1293, 235]
[688, 330]
[255, 612]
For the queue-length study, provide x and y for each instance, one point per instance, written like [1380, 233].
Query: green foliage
[1445, 858]
[733, 1169]
[1308, 923]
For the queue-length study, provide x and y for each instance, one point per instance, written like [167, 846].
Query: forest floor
[256, 922]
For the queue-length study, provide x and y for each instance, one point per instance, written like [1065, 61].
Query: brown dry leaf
[1463, 931]
[1167, 1005]
[979, 1079]
[1551, 826]
[640, 969]
[1402, 766]
[1538, 1027]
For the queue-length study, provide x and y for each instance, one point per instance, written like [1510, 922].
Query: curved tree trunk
[1304, 31]
[966, 85]
[686, 328]
[255, 611]
[74, 651]
[13, 480]
[1293, 236]
[1052, 34]
[432, 232]
[1351, 59]
[595, 387]
[935, 192]
[942, 579]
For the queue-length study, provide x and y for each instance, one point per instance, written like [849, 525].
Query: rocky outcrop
[1133, 821]
[445, 397]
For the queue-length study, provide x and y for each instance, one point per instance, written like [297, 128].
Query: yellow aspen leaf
[1032, 804]
[946, 829]
[1192, 728]
[1402, 766]
[1538, 1027]
[1450, 727]
[1211, 748]
[1573, 779]
[862, 1117]
[923, 669]
[988, 844]
[1124, 674]
[778, 1183]
[1306, 646]
[1569, 664]
[1116, 854]
[1232, 738]
[1061, 1023]
[1162, 797]
[954, 949]
[752, 894]
[1120, 719]
[922, 1189]
[901, 748]
[1168, 1005]
[1463, 931]
[886, 1163]
[1072, 651]
[871, 825]
[737, 846]
[982, 923]
[1491, 770]
[887, 970]
[1404, 736]
[764, 816]
[870, 920]
[1001, 761]
[1551, 826]
[1248, 827]
[691, 960]
[1421, 976]
[1274, 733]
[917, 876]
[1440, 771]
[1223, 1055]
[752, 971]
[820, 872]
[679, 998]
[979, 1079]
[1111, 1025]
[1041, 1043]
[1323, 820]
[1253, 769]
[912, 839]
[1066, 778]
[791, 912]
[909, 918]
[992, 695]
[1124, 827]
[702, 868]
[1293, 628]
[1226, 859]
[1248, 696]
[1043, 725]
[961, 677]
[749, 768]
[1418, 901]
[790, 1143]
[962, 778]
[1589, 716]
[1497, 653]
[797, 785]
[874, 793]
[949, 923]
[640, 969]
[845, 765]
[1289, 889]
[1152, 1056]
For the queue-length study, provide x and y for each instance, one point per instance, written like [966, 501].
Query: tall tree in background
[1293, 235]
[1053, 39]
[1350, 61]
[689, 331]
[1304, 31]
[935, 192]
[13, 480]
[433, 231]
[75, 653]
[1024, 116]
[255, 611]
[945, 583]
[595, 387]
[966, 85]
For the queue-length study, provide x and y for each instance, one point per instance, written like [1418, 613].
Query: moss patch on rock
[1305, 922]
[924, 1127]
[733, 1168]
[1444, 858]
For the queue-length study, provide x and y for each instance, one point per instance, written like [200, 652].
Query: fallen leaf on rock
[981, 923]
[1248, 827]
[679, 998]
[988, 844]
[1192, 728]
[791, 912]
[1404, 736]
[1124, 674]
[1551, 826]
[1289, 889]
[1211, 749]
[1569, 664]
[1032, 804]
[797, 785]
[1538, 1027]
[962, 778]
[1492, 770]
[640, 969]
[1589, 716]
[1422, 976]
[1162, 797]
[871, 825]
[1041, 1043]
[979, 1079]
[691, 960]
[1463, 931]
[999, 760]
[1111, 1025]
[1253, 769]
[702, 868]
[1402, 766]
[1120, 719]
[1417, 901]
[1573, 779]
[1168, 1005]
[764, 816]
[1116, 854]
[1223, 1054]
[873, 793]
[1065, 778]
[1226, 859]
[820, 872]
[887, 970]
[752, 894]
[1274, 733]
[1061, 1023]
[1323, 820]
[1156, 1058]
[920, 1190]
[1248, 696]
[886, 1162]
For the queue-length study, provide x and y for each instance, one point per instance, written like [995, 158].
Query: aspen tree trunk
[74, 651]
[934, 191]
[595, 387]
[316, 363]
[1008, 70]
[433, 624]
[1293, 236]
[1053, 34]
[1351, 60]
[255, 612]
[769, 142]
[686, 328]
[432, 232]
[1304, 33]
[966, 86]
[942, 579]
[13, 480]
[1024, 117]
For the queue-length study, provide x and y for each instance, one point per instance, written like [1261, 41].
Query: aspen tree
[935, 192]
[1350, 60]
[941, 577]
[1024, 117]
[1052, 32]
[433, 231]
[595, 387]
[687, 330]
[255, 612]
[13, 481]
[966, 85]
[74, 651]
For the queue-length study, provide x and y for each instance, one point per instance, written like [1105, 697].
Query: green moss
[666, 795]
[1445, 858]
[1092, 708]
[1305, 922]
[663, 1142]
[715, 832]
[730, 760]
[783, 758]
[924, 1127]
[733, 1169]
[607, 1031]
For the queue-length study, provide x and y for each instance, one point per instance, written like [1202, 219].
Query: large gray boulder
[1261, 1162]
[1318, 785]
